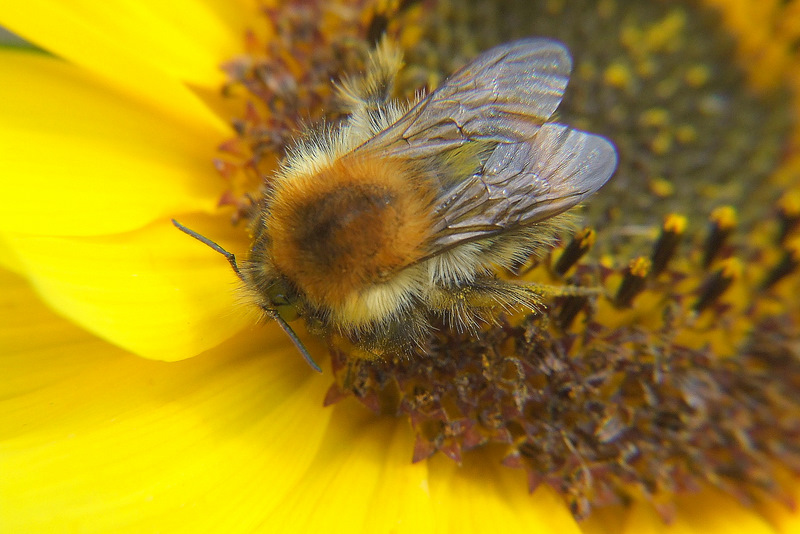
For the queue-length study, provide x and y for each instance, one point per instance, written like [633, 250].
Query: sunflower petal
[785, 516]
[155, 292]
[703, 513]
[481, 495]
[365, 455]
[80, 160]
[152, 49]
[97, 440]
[605, 520]
[401, 501]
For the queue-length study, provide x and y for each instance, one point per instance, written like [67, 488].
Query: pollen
[661, 187]
[724, 218]
[618, 76]
[698, 75]
[654, 117]
[633, 281]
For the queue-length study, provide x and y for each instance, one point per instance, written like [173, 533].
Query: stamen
[723, 222]
[718, 283]
[672, 232]
[789, 211]
[577, 248]
[788, 264]
[633, 282]
[570, 308]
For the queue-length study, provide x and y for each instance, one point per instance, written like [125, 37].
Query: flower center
[681, 369]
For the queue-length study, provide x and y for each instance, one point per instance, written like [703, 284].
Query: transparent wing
[503, 95]
[522, 183]
[528, 169]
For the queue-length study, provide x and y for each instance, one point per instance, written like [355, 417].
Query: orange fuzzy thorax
[337, 232]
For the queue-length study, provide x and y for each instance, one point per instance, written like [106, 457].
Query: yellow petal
[401, 500]
[148, 48]
[97, 440]
[79, 159]
[9, 259]
[156, 292]
[483, 496]
[361, 480]
[709, 511]
[785, 519]
[605, 520]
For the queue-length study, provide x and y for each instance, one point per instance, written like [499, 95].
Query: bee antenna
[206, 241]
[273, 314]
[296, 340]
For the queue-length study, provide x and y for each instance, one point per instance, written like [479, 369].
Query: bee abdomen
[339, 232]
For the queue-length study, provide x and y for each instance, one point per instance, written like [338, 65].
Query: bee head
[281, 299]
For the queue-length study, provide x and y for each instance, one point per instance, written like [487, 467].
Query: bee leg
[464, 307]
[552, 291]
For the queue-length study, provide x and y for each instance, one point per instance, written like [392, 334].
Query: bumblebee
[399, 216]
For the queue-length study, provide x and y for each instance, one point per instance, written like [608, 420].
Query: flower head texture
[141, 393]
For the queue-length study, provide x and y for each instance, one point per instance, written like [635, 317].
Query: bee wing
[503, 95]
[531, 169]
[522, 183]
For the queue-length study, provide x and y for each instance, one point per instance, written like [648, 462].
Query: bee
[399, 216]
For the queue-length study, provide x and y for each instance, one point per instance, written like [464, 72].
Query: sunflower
[139, 395]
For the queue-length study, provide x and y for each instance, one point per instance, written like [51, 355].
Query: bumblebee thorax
[348, 227]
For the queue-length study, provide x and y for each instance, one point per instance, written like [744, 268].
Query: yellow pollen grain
[554, 7]
[654, 117]
[662, 143]
[640, 267]
[618, 75]
[793, 246]
[790, 23]
[607, 260]
[675, 223]
[606, 8]
[724, 217]
[586, 70]
[697, 75]
[646, 68]
[666, 88]
[587, 237]
[630, 37]
[664, 34]
[790, 203]
[685, 134]
[731, 268]
[411, 36]
[661, 187]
